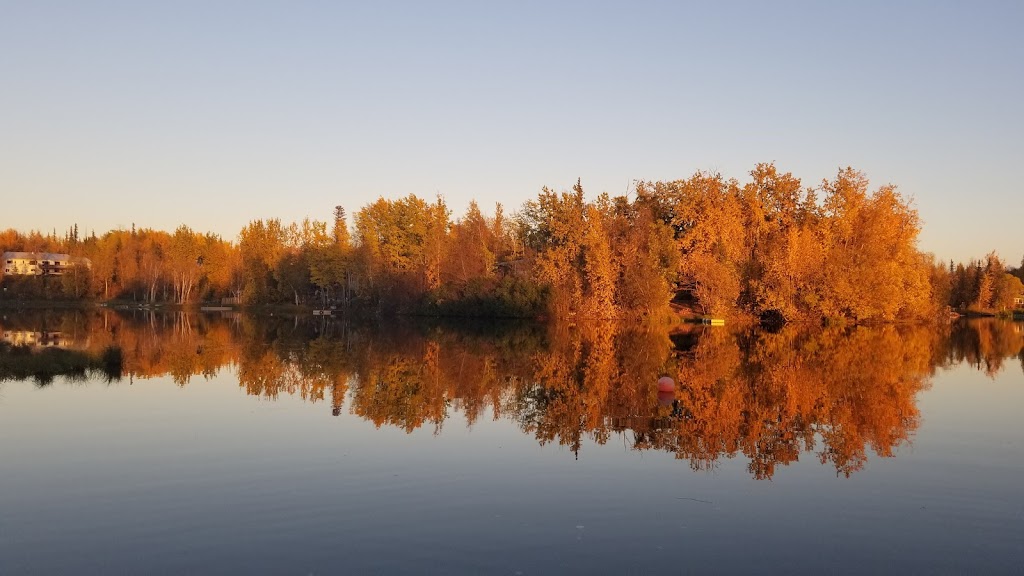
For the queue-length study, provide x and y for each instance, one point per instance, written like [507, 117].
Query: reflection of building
[33, 339]
[39, 263]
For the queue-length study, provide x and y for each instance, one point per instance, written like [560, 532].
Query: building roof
[36, 256]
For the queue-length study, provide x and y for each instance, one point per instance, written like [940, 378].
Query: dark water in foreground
[284, 446]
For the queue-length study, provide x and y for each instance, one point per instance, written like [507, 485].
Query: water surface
[300, 446]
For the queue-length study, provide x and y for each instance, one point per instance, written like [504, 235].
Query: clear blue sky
[216, 113]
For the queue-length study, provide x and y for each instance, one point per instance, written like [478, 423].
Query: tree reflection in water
[835, 392]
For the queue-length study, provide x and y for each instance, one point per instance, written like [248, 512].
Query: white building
[33, 339]
[39, 263]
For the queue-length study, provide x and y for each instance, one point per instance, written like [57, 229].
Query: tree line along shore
[768, 246]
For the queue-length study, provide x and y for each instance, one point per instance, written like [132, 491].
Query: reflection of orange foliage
[155, 344]
[852, 388]
[986, 343]
[838, 392]
[406, 381]
[768, 396]
[582, 383]
[402, 391]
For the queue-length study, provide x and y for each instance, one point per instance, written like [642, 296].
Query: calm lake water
[236, 444]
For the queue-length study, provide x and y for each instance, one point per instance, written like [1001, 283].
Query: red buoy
[666, 398]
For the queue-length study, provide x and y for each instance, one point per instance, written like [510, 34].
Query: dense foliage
[836, 251]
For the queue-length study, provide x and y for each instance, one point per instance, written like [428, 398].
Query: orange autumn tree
[609, 258]
[873, 267]
[837, 251]
[556, 228]
[400, 250]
